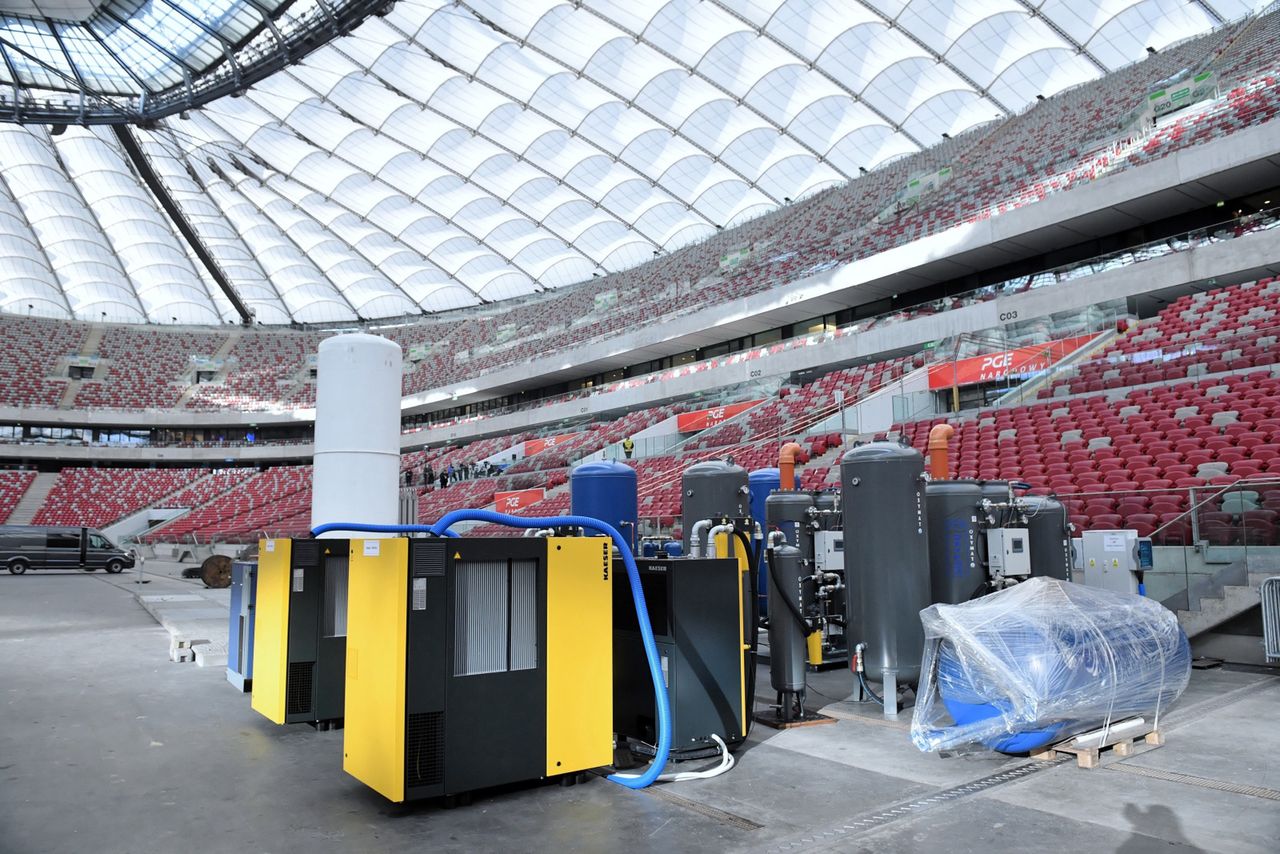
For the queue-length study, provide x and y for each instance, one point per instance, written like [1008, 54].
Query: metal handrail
[1227, 488]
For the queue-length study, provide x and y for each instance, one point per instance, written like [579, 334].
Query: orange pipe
[939, 453]
[788, 455]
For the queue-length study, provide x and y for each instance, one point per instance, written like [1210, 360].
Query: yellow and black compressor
[300, 627]
[477, 662]
[699, 611]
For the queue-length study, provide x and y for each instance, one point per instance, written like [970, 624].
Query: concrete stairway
[222, 353]
[1027, 391]
[217, 497]
[89, 347]
[1230, 591]
[33, 499]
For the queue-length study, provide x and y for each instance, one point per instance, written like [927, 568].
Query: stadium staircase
[222, 353]
[212, 499]
[1026, 392]
[33, 499]
[1231, 590]
[89, 347]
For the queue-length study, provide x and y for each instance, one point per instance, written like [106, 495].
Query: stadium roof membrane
[442, 154]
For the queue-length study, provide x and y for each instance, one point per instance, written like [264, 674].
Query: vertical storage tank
[712, 489]
[761, 483]
[356, 477]
[956, 543]
[606, 490]
[886, 556]
[1048, 537]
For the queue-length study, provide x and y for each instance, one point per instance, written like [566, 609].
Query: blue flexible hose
[441, 528]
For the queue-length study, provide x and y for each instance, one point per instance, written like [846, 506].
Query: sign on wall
[704, 418]
[534, 446]
[998, 366]
[505, 502]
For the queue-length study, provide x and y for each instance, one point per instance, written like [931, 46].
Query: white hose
[726, 762]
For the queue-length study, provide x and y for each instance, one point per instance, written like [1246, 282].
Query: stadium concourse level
[1067, 140]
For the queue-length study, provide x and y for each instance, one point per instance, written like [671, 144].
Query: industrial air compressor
[476, 662]
[299, 631]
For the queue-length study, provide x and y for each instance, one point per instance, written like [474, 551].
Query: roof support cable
[158, 189]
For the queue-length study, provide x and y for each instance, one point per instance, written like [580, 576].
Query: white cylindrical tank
[357, 447]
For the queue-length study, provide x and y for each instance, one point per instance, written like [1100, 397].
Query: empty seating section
[271, 502]
[1226, 329]
[207, 488]
[12, 486]
[796, 410]
[264, 370]
[1132, 461]
[32, 372]
[1069, 139]
[145, 367]
[590, 438]
[98, 497]
[1116, 458]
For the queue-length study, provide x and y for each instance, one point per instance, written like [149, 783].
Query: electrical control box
[1110, 560]
[1008, 554]
[828, 551]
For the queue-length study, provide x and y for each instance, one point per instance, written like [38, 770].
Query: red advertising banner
[998, 366]
[505, 502]
[533, 446]
[702, 419]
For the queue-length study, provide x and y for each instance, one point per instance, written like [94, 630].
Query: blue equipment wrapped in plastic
[1043, 660]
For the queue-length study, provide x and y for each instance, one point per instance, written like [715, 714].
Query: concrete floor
[107, 747]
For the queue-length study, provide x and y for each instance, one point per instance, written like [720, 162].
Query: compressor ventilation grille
[298, 691]
[428, 559]
[306, 552]
[424, 749]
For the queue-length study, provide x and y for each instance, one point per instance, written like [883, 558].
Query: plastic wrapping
[1041, 661]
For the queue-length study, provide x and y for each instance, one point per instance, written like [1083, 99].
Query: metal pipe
[695, 538]
[788, 455]
[939, 452]
[711, 538]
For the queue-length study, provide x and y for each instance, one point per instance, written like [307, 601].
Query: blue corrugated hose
[441, 528]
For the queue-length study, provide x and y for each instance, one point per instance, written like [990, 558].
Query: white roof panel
[454, 151]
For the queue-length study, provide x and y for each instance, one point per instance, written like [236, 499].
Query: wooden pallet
[1091, 757]
[810, 719]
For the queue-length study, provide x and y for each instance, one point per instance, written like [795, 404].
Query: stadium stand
[1054, 146]
[96, 497]
[1224, 329]
[12, 486]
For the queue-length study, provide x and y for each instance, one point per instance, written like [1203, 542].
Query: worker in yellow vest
[628, 446]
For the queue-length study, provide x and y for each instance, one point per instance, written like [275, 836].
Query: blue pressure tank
[1068, 667]
[606, 490]
[762, 482]
[673, 548]
[244, 589]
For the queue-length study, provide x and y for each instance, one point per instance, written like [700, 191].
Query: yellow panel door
[377, 616]
[579, 654]
[271, 629]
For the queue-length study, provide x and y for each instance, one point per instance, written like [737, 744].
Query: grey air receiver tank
[957, 544]
[790, 563]
[1048, 537]
[886, 556]
[713, 489]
